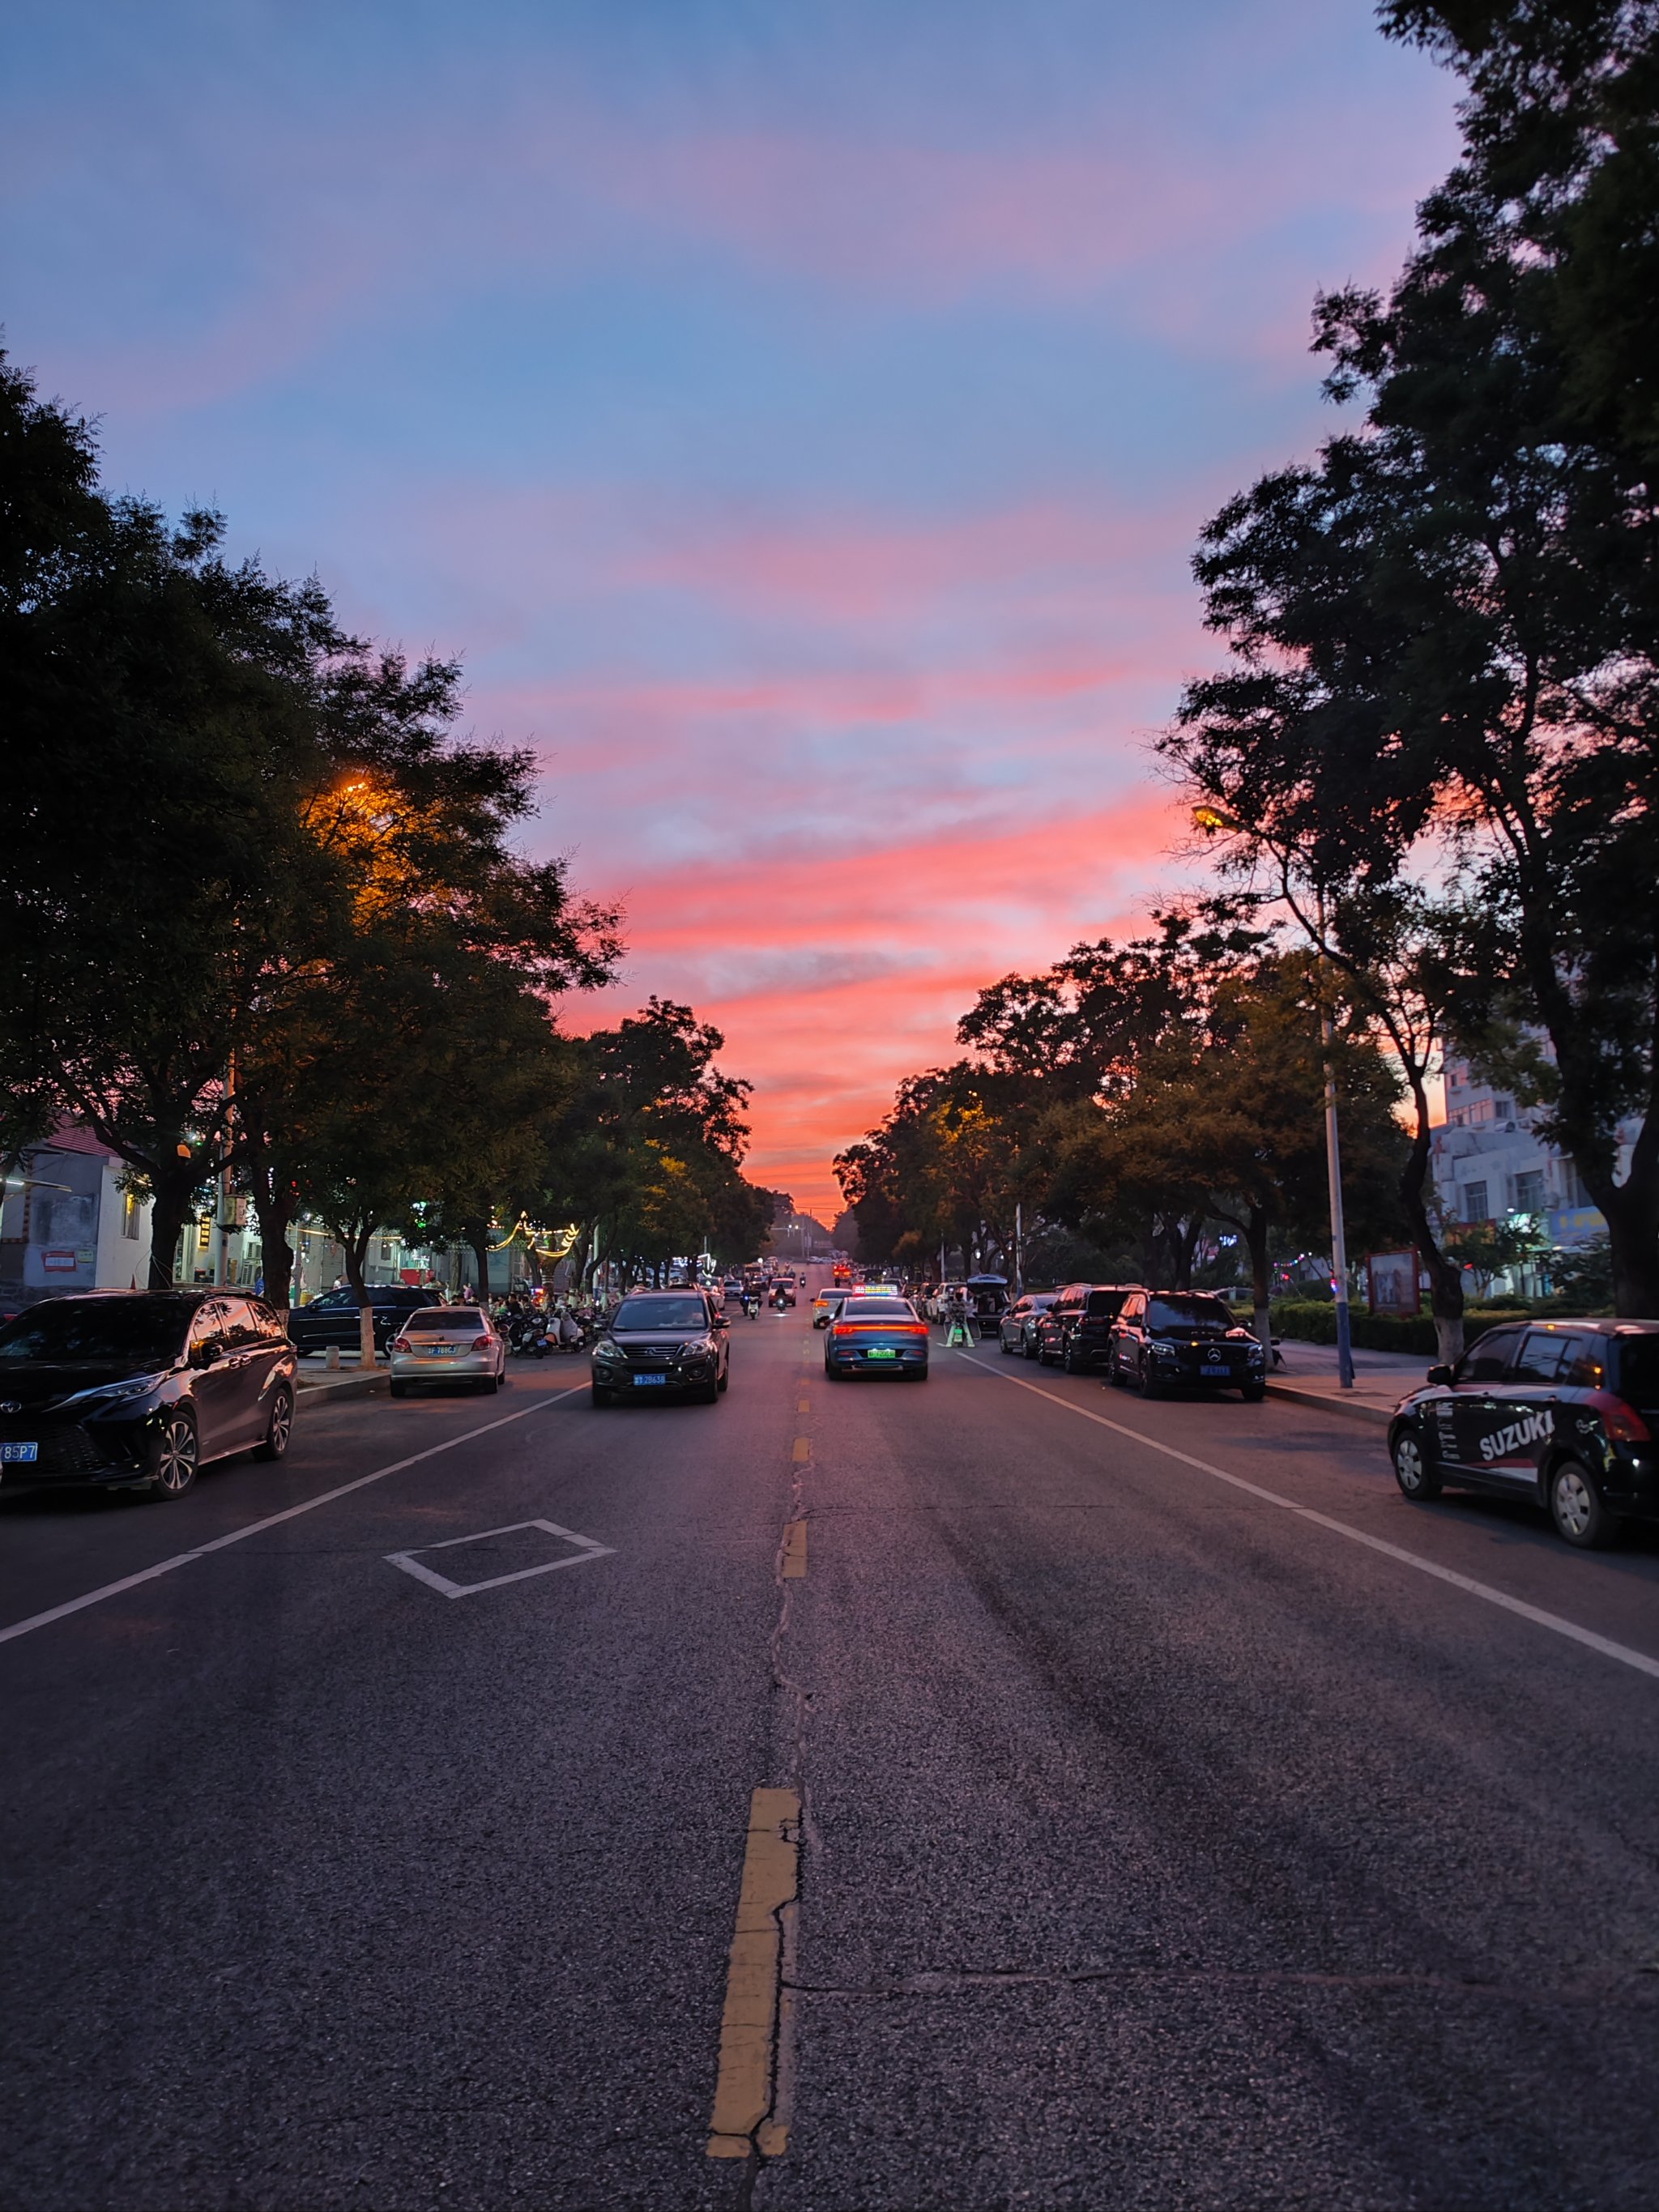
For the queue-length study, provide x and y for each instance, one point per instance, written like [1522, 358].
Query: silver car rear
[447, 1344]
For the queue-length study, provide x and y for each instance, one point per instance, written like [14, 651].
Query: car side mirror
[204, 1354]
[721, 1321]
[1440, 1375]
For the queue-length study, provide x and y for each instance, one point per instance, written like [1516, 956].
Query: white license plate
[1220, 1373]
[19, 1454]
[650, 1382]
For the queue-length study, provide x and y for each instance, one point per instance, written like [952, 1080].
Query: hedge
[1314, 1322]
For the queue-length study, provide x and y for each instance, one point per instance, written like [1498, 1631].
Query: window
[1489, 1360]
[1181, 1313]
[1475, 1202]
[453, 1320]
[1104, 1304]
[1529, 1191]
[1583, 1363]
[1541, 1358]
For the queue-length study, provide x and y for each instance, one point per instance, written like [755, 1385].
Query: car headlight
[1166, 1351]
[606, 1354]
[113, 1394]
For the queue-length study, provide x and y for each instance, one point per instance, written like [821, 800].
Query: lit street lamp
[1210, 819]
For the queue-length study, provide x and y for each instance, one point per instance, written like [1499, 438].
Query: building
[1489, 1163]
[67, 1225]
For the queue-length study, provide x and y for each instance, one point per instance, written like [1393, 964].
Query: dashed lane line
[272, 1521]
[1553, 1621]
[795, 1551]
[745, 2122]
[802, 1452]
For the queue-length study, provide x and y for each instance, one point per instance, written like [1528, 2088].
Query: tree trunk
[273, 1208]
[170, 1208]
[1445, 1276]
[354, 1243]
[1261, 1281]
[1632, 1209]
[478, 1238]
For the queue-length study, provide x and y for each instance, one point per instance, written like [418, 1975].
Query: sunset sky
[797, 415]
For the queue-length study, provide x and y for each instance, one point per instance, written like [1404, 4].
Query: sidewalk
[313, 1378]
[1380, 1380]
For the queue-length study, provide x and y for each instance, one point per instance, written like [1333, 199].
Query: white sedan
[448, 1344]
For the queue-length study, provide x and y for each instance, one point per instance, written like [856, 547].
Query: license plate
[649, 1382]
[881, 1351]
[1220, 1373]
[18, 1454]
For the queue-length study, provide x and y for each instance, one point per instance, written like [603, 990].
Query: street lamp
[1210, 819]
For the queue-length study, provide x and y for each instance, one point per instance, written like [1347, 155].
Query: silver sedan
[448, 1344]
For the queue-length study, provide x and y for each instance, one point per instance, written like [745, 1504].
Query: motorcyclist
[956, 1312]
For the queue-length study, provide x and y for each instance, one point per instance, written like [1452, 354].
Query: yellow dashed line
[795, 1551]
[803, 1405]
[803, 1451]
[741, 2120]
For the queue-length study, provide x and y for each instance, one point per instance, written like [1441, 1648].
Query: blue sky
[798, 418]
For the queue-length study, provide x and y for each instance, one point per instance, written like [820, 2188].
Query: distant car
[1017, 1332]
[1165, 1340]
[661, 1344]
[139, 1389]
[824, 1305]
[783, 1293]
[331, 1319]
[447, 1344]
[1560, 1414]
[876, 1336]
[1076, 1331]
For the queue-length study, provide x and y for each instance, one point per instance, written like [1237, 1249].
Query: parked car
[331, 1319]
[876, 1335]
[1017, 1332]
[663, 1344]
[140, 1389]
[448, 1344]
[1562, 1414]
[1076, 1331]
[1167, 1339]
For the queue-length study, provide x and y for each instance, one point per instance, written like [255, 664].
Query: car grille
[66, 1449]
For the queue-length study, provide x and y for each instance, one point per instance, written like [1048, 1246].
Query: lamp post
[1209, 819]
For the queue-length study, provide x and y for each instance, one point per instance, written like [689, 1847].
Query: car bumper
[877, 1359]
[644, 1382]
[436, 1367]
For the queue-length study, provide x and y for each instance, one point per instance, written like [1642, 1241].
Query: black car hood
[30, 1384]
[664, 1340]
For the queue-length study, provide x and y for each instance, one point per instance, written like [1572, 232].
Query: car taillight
[1622, 1422]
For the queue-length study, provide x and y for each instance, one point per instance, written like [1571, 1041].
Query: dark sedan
[662, 1344]
[1017, 1329]
[1075, 1333]
[332, 1318]
[1173, 1339]
[876, 1336]
[138, 1390]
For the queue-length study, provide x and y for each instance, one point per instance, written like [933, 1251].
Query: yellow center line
[803, 1451]
[795, 1551]
[803, 1405]
[742, 2121]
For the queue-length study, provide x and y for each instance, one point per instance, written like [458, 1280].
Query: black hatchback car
[1076, 1331]
[137, 1390]
[1185, 1340]
[662, 1344]
[332, 1318]
[1563, 1415]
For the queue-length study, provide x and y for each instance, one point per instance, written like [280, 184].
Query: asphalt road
[1186, 1820]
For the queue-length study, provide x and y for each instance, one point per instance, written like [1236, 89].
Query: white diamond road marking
[586, 1549]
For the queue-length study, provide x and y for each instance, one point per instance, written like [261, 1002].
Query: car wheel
[278, 1428]
[708, 1396]
[174, 1455]
[726, 1378]
[1419, 1481]
[1253, 1393]
[1576, 1509]
[1006, 1348]
[1068, 1361]
[1042, 1358]
[602, 1397]
[1147, 1382]
[1028, 1347]
[398, 1389]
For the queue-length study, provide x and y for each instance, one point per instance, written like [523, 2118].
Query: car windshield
[1185, 1315]
[877, 1309]
[146, 1331]
[455, 1321]
[661, 1313]
[1103, 1302]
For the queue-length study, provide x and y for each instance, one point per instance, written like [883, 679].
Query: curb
[1375, 1417]
[350, 1386]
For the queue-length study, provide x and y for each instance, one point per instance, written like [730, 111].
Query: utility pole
[1333, 1170]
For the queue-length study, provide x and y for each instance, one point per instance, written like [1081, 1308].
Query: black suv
[661, 1344]
[1561, 1413]
[1169, 1339]
[1076, 1332]
[137, 1390]
[332, 1318]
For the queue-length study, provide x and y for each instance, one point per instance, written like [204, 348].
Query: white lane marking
[1540, 1619]
[586, 1549]
[272, 1521]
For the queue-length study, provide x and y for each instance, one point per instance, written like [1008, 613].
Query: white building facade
[1490, 1164]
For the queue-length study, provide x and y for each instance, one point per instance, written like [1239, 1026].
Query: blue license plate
[19, 1454]
[649, 1382]
[1220, 1373]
